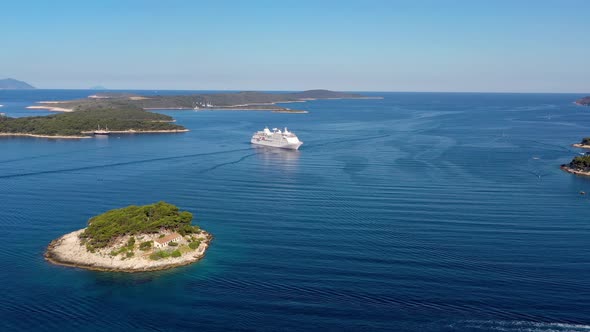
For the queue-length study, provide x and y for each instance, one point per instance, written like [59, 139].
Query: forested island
[12, 84]
[128, 112]
[580, 165]
[583, 101]
[248, 100]
[133, 239]
[584, 144]
[119, 118]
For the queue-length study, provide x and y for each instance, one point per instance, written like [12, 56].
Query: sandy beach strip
[231, 108]
[42, 136]
[290, 111]
[581, 146]
[50, 108]
[168, 108]
[274, 110]
[89, 133]
[131, 131]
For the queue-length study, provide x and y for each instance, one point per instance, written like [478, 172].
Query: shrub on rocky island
[104, 229]
[144, 246]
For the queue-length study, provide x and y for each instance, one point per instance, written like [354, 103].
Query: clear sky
[369, 45]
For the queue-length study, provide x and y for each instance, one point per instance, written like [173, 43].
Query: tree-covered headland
[115, 117]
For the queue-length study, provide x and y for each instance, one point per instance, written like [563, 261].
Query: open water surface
[416, 212]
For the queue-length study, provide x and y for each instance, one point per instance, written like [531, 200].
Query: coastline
[291, 111]
[132, 131]
[168, 108]
[274, 110]
[50, 108]
[566, 168]
[306, 99]
[240, 107]
[67, 250]
[581, 146]
[89, 133]
[231, 108]
[42, 136]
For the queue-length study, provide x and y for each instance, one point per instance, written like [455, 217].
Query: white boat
[102, 131]
[277, 139]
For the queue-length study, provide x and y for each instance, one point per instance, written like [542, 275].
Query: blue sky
[493, 46]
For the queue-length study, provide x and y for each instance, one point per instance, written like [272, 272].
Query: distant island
[580, 165]
[128, 112]
[12, 84]
[133, 239]
[583, 101]
[247, 100]
[97, 87]
[584, 144]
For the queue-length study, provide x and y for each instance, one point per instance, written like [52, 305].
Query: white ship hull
[276, 139]
[289, 146]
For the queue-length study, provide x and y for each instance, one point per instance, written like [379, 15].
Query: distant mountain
[583, 101]
[12, 84]
[98, 87]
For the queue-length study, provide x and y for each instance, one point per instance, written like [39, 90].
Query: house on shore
[164, 241]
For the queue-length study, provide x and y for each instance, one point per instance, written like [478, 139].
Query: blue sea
[415, 212]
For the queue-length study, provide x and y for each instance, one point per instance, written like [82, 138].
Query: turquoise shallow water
[417, 212]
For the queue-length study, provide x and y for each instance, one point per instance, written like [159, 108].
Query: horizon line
[258, 90]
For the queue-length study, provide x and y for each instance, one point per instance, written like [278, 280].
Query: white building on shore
[164, 241]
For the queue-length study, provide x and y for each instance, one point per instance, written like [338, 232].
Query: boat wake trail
[47, 155]
[360, 139]
[134, 162]
[228, 163]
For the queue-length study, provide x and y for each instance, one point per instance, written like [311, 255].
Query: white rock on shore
[50, 108]
[581, 146]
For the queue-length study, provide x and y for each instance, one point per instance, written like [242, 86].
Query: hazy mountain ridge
[12, 84]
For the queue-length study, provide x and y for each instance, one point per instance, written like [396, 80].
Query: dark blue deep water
[417, 212]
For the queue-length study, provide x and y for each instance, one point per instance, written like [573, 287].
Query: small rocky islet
[580, 165]
[583, 101]
[133, 239]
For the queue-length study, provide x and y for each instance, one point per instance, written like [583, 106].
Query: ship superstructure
[276, 138]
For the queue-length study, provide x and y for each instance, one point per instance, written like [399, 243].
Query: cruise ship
[277, 139]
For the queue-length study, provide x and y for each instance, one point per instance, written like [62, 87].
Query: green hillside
[133, 220]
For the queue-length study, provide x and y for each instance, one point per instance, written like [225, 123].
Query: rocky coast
[69, 250]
